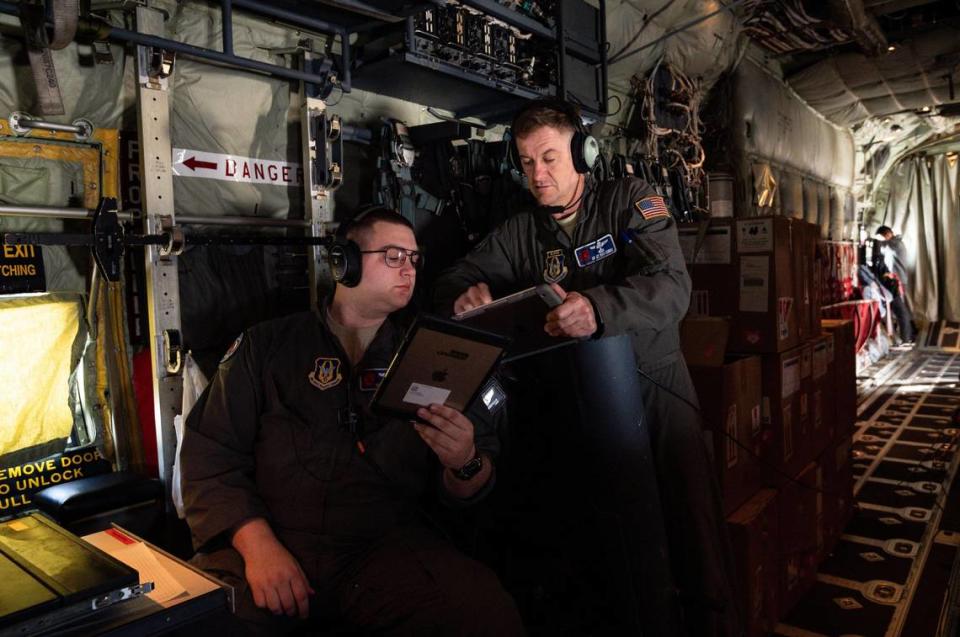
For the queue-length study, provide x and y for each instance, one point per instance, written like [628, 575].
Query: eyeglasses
[395, 257]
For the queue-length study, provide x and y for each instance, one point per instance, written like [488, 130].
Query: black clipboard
[439, 361]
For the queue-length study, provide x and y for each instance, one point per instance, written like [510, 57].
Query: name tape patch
[596, 250]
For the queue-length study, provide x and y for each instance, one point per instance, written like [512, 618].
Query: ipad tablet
[439, 361]
[520, 316]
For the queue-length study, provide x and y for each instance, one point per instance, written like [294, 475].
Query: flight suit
[624, 256]
[273, 437]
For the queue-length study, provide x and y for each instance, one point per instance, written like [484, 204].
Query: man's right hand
[474, 296]
[276, 580]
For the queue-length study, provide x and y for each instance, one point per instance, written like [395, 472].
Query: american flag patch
[652, 207]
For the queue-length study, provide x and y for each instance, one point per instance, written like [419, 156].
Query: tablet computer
[439, 361]
[520, 316]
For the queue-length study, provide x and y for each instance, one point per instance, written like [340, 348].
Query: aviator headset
[584, 148]
[346, 259]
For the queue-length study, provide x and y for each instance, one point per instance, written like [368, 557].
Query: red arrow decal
[193, 163]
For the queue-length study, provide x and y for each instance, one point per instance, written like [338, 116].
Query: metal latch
[172, 351]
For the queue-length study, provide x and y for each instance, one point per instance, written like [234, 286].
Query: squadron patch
[232, 349]
[554, 269]
[652, 207]
[370, 378]
[596, 250]
[326, 373]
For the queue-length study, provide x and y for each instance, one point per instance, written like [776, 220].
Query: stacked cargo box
[779, 400]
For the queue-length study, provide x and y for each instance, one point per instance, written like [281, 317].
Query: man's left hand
[574, 317]
[450, 437]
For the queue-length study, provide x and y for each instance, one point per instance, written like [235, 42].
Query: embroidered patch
[652, 207]
[554, 268]
[370, 378]
[596, 250]
[232, 349]
[493, 396]
[326, 373]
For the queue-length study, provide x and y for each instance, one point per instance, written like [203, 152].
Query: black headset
[346, 259]
[584, 147]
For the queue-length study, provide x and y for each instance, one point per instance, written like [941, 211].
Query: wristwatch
[470, 469]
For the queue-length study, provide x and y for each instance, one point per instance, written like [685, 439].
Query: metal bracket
[326, 139]
[158, 64]
[108, 239]
[175, 241]
[172, 351]
[22, 123]
[102, 53]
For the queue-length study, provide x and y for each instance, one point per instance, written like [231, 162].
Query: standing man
[307, 502]
[894, 255]
[610, 250]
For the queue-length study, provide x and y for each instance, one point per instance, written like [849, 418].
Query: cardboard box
[703, 340]
[730, 401]
[836, 464]
[799, 509]
[767, 314]
[803, 257]
[712, 267]
[786, 413]
[823, 409]
[845, 375]
[754, 536]
[816, 290]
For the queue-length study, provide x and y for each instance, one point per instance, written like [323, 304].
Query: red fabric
[839, 267]
[864, 314]
[143, 390]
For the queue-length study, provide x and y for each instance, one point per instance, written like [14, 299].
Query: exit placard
[21, 269]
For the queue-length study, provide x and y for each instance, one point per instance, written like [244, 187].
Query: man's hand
[574, 317]
[450, 437]
[276, 580]
[474, 296]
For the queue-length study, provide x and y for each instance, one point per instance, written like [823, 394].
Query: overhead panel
[481, 58]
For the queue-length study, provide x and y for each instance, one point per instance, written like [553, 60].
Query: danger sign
[196, 163]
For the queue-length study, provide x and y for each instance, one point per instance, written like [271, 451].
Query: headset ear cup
[576, 152]
[346, 262]
[591, 152]
[512, 151]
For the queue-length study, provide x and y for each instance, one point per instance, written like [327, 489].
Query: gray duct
[852, 15]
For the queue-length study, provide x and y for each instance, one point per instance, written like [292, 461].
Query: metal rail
[105, 31]
[54, 212]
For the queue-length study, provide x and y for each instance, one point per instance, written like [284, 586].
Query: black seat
[91, 504]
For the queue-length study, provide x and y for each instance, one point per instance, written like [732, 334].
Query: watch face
[470, 469]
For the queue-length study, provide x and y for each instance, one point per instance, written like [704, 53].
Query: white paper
[820, 362]
[790, 372]
[139, 556]
[419, 394]
[755, 235]
[754, 284]
[715, 248]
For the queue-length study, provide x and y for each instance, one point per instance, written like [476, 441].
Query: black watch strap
[469, 470]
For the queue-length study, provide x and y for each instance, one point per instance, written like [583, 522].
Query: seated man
[306, 502]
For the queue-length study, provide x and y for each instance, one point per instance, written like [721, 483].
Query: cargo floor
[891, 574]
